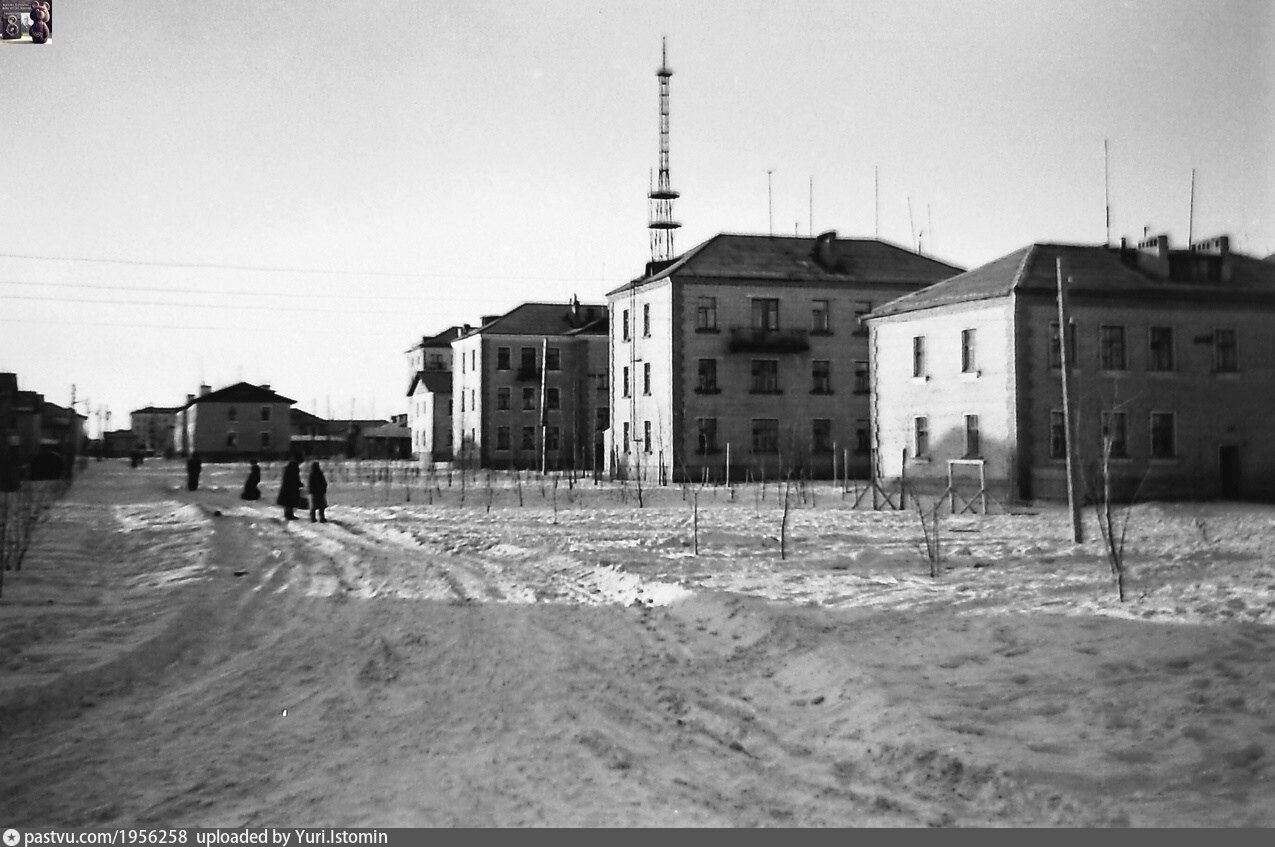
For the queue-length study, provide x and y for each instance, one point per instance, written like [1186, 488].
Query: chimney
[265, 386]
[1153, 256]
[1220, 247]
[205, 389]
[826, 253]
[465, 328]
[190, 398]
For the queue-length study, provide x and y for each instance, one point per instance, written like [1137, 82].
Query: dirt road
[178, 658]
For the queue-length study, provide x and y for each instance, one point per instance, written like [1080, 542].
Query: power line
[225, 292]
[231, 306]
[269, 269]
[180, 327]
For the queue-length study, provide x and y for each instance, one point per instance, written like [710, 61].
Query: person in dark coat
[251, 486]
[290, 488]
[193, 466]
[318, 487]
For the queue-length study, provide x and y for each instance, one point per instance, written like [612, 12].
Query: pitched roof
[242, 392]
[389, 430]
[156, 410]
[436, 382]
[548, 319]
[1090, 270]
[786, 257]
[443, 339]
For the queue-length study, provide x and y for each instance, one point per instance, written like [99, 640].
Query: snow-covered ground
[497, 652]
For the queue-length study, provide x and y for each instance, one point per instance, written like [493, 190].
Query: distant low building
[240, 421]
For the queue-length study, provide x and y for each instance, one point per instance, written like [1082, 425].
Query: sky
[295, 193]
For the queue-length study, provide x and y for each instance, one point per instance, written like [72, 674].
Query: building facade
[1171, 355]
[529, 388]
[240, 421]
[155, 429]
[747, 352]
[429, 397]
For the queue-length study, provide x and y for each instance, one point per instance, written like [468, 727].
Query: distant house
[1171, 355]
[391, 440]
[529, 388]
[38, 439]
[749, 348]
[429, 396]
[155, 429]
[240, 421]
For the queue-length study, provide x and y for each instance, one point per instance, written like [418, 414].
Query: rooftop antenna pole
[1190, 224]
[912, 225]
[811, 225]
[770, 202]
[1106, 190]
[661, 223]
[876, 201]
[929, 223]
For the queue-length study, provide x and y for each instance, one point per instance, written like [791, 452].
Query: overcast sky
[293, 193]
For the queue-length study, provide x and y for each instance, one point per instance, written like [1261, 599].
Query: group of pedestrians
[291, 495]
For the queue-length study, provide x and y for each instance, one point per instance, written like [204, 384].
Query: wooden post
[544, 413]
[1073, 500]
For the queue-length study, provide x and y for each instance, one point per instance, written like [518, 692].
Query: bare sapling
[1114, 527]
[490, 491]
[555, 501]
[783, 523]
[930, 525]
[695, 521]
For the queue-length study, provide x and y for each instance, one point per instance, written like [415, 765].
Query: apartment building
[529, 388]
[154, 429]
[240, 421]
[1171, 359]
[429, 396]
[747, 351]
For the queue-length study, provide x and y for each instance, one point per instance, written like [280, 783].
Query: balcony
[749, 340]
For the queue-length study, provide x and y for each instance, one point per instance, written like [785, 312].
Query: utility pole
[770, 201]
[1073, 496]
[544, 412]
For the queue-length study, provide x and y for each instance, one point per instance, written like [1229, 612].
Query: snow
[525, 653]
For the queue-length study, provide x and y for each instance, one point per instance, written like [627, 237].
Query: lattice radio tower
[662, 195]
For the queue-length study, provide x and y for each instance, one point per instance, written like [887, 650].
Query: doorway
[1228, 457]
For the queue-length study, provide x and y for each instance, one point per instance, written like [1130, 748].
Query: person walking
[193, 466]
[318, 488]
[290, 488]
[252, 485]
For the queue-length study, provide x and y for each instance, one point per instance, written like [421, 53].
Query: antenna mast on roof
[1106, 190]
[770, 203]
[1190, 222]
[876, 201]
[661, 223]
[912, 225]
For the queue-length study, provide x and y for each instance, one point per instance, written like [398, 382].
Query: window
[646, 320]
[1057, 436]
[502, 397]
[502, 358]
[528, 438]
[706, 315]
[1224, 353]
[473, 360]
[528, 398]
[1055, 352]
[968, 363]
[502, 438]
[232, 414]
[918, 355]
[646, 377]
[707, 377]
[462, 401]
[265, 414]
[462, 361]
[862, 437]
[921, 437]
[861, 309]
[626, 380]
[265, 439]
[821, 435]
[527, 360]
[646, 436]
[765, 313]
[706, 437]
[820, 317]
[861, 376]
[232, 440]
[553, 398]
[602, 418]
[436, 361]
[821, 376]
[625, 323]
[1115, 438]
[972, 447]
[1160, 348]
[553, 359]
[473, 399]
[765, 435]
[1111, 348]
[765, 376]
[626, 436]
[1162, 436]
[553, 438]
